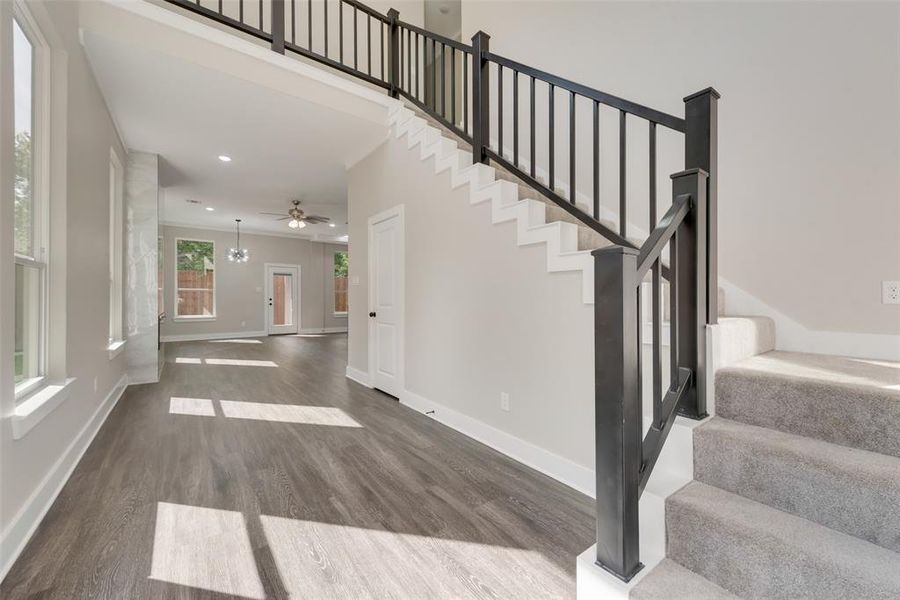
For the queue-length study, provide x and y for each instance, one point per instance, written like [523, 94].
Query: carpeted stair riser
[863, 416]
[847, 489]
[671, 581]
[756, 551]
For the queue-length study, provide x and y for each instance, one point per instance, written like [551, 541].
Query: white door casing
[386, 300]
[286, 320]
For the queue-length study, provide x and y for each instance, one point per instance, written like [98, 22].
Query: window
[341, 268]
[115, 248]
[195, 279]
[29, 208]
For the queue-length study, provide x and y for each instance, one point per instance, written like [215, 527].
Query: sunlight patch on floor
[240, 362]
[287, 413]
[236, 341]
[323, 560]
[204, 548]
[184, 360]
[202, 407]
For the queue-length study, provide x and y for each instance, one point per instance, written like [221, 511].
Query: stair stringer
[559, 238]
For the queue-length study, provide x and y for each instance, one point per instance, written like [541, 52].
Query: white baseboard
[197, 337]
[360, 377]
[26, 521]
[796, 337]
[562, 469]
[324, 330]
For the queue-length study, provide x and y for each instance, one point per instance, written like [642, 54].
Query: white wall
[240, 287]
[35, 466]
[809, 125]
[483, 316]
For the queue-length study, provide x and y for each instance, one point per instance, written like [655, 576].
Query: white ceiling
[283, 147]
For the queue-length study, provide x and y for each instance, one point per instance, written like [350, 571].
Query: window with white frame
[115, 248]
[195, 279]
[29, 203]
[341, 270]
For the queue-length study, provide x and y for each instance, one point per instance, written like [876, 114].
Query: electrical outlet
[504, 401]
[890, 292]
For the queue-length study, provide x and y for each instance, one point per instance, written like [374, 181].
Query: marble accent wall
[141, 262]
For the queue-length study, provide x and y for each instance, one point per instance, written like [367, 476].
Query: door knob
[371, 314]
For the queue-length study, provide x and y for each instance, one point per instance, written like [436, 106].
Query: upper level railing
[514, 115]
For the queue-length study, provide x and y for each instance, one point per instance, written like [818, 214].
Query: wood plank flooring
[219, 494]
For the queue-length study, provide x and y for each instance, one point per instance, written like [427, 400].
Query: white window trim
[116, 275]
[41, 160]
[335, 313]
[215, 288]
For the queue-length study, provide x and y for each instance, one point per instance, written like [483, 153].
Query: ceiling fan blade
[316, 219]
[283, 219]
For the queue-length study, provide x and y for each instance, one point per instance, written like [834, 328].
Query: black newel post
[278, 26]
[481, 97]
[701, 150]
[394, 74]
[617, 410]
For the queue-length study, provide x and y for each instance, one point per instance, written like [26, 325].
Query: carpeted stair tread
[847, 401]
[756, 551]
[670, 581]
[847, 489]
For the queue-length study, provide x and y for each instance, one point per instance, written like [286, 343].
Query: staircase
[797, 486]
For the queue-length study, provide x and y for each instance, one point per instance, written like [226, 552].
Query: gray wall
[483, 316]
[809, 187]
[240, 288]
[35, 464]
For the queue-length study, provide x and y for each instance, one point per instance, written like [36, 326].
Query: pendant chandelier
[238, 254]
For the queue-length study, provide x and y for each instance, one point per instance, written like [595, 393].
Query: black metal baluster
[622, 173]
[402, 42]
[656, 288]
[500, 110]
[572, 147]
[418, 72]
[408, 61]
[381, 27]
[532, 128]
[595, 165]
[673, 312]
[260, 15]
[369, 44]
[552, 135]
[220, 7]
[241, 10]
[443, 83]
[341, 31]
[515, 76]
[309, 23]
[433, 75]
[355, 38]
[293, 22]
[325, 5]
[453, 86]
[466, 92]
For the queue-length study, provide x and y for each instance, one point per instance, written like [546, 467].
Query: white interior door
[282, 299]
[386, 302]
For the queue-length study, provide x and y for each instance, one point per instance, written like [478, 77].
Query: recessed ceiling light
[210, 208]
[224, 158]
[332, 225]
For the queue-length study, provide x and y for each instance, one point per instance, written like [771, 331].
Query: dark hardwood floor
[250, 480]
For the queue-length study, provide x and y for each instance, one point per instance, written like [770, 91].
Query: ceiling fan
[296, 218]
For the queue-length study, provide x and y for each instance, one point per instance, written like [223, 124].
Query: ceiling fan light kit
[296, 218]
